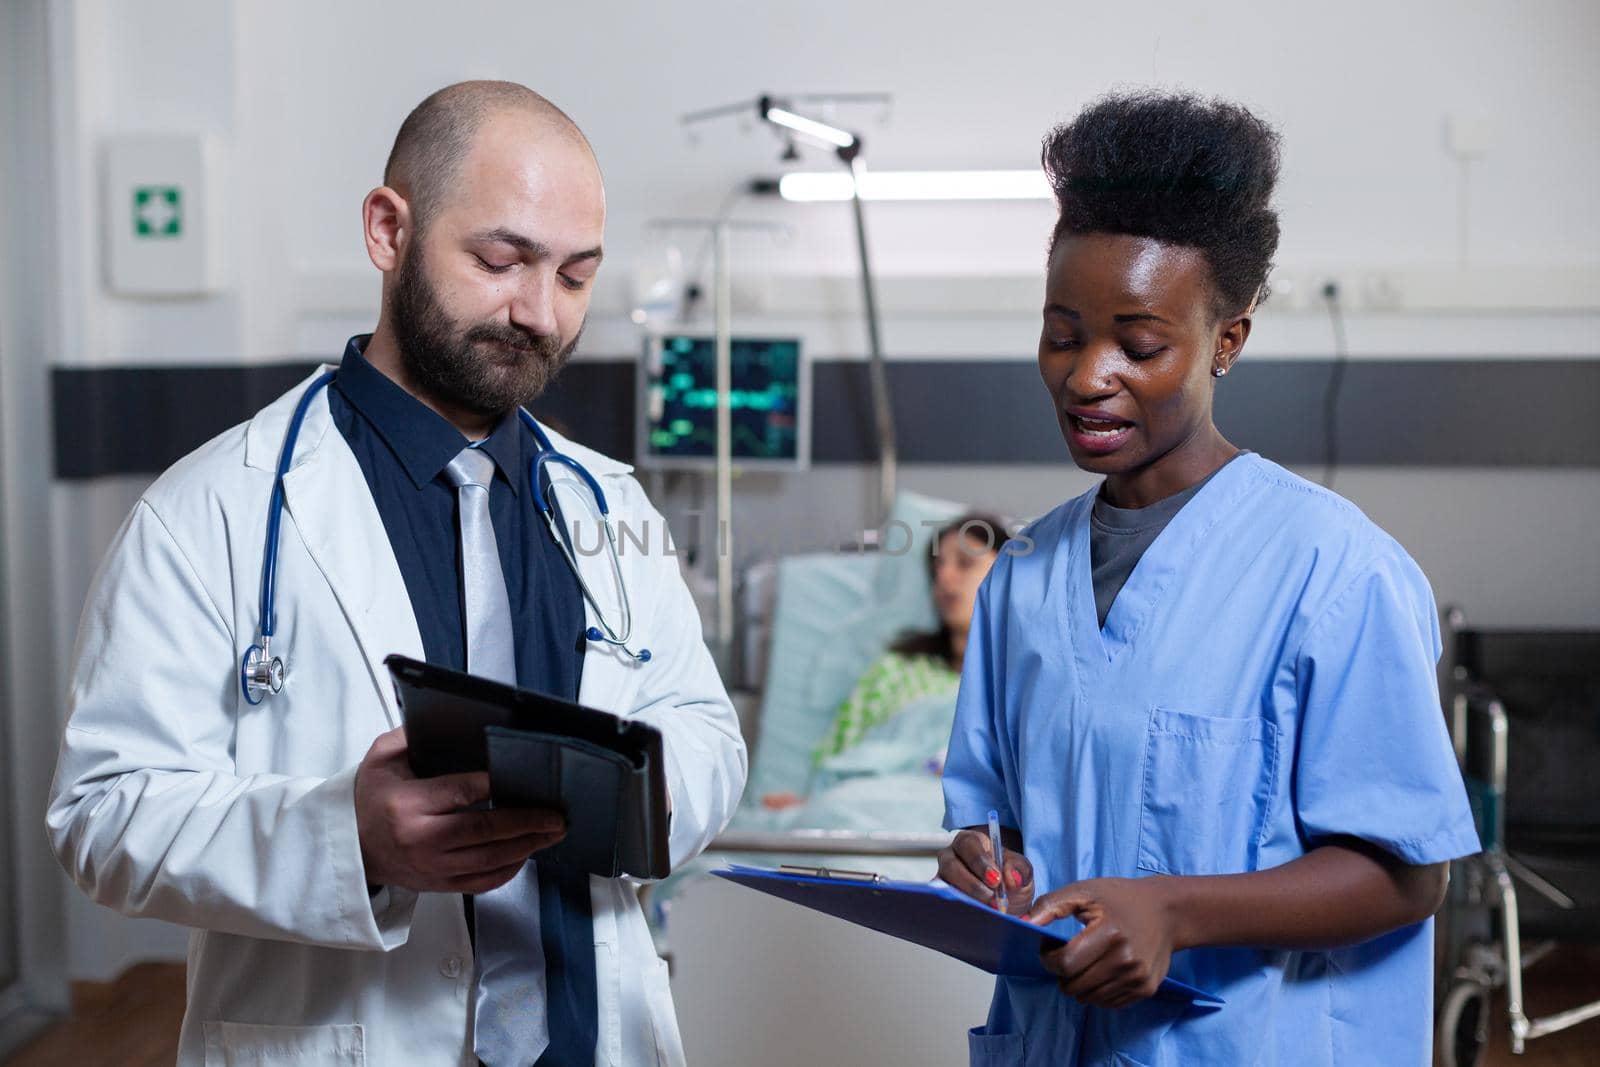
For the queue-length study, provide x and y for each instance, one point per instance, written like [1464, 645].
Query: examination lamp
[817, 131]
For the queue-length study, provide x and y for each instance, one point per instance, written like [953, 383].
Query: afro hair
[1177, 168]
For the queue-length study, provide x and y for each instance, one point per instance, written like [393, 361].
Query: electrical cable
[1330, 402]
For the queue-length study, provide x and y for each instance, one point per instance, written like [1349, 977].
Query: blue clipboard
[932, 915]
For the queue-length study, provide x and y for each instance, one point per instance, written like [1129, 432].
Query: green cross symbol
[157, 211]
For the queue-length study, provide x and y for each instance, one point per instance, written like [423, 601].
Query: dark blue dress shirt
[403, 447]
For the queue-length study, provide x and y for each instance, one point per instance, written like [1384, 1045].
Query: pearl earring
[1217, 372]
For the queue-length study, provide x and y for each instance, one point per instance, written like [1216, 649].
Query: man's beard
[488, 369]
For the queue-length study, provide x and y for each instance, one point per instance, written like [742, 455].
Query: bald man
[343, 910]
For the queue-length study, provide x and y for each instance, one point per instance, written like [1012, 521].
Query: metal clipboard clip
[831, 873]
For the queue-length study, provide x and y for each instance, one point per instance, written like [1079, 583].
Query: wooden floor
[133, 1022]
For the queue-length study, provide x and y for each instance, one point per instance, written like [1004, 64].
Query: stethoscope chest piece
[261, 673]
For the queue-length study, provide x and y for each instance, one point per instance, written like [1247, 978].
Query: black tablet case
[603, 772]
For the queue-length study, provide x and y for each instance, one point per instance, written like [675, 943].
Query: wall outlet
[1381, 292]
[1289, 291]
[1467, 136]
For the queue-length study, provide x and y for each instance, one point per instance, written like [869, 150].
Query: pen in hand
[999, 860]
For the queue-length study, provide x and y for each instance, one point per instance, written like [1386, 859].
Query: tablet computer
[604, 772]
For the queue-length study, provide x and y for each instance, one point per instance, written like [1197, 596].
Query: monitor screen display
[678, 402]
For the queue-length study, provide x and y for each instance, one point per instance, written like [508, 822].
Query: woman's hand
[967, 864]
[1340, 893]
[1126, 945]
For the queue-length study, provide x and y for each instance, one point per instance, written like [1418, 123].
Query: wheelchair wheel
[1463, 1030]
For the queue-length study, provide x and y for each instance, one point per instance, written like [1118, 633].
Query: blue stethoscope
[262, 674]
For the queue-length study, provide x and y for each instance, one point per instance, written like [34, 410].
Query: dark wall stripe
[1456, 413]
[139, 420]
[1505, 412]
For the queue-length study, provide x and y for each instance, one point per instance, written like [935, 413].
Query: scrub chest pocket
[1206, 792]
[994, 1050]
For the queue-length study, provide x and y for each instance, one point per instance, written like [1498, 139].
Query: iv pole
[888, 456]
[721, 228]
[847, 146]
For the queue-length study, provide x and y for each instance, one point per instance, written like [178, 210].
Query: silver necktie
[485, 605]
[510, 1026]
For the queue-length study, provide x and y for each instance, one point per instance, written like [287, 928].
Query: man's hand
[1126, 944]
[415, 835]
[967, 864]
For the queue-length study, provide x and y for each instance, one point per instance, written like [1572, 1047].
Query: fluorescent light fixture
[820, 131]
[917, 185]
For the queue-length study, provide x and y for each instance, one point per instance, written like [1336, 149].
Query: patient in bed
[921, 669]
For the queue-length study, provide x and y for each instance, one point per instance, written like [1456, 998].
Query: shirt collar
[421, 439]
[505, 446]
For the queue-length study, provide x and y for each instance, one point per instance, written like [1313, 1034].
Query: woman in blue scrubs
[1205, 704]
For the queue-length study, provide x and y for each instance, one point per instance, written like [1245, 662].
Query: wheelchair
[1524, 710]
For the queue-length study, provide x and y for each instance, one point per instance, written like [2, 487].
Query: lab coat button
[450, 967]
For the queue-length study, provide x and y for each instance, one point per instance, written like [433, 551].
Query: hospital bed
[1525, 718]
[751, 973]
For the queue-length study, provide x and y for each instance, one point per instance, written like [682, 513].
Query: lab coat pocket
[254, 1045]
[994, 1050]
[663, 1016]
[1207, 792]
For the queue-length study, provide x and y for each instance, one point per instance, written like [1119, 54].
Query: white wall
[307, 95]
[1360, 91]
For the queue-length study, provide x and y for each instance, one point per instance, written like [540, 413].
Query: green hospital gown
[886, 687]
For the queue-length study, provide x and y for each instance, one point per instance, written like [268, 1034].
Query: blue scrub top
[1264, 681]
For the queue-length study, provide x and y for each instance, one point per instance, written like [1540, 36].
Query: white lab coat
[177, 800]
